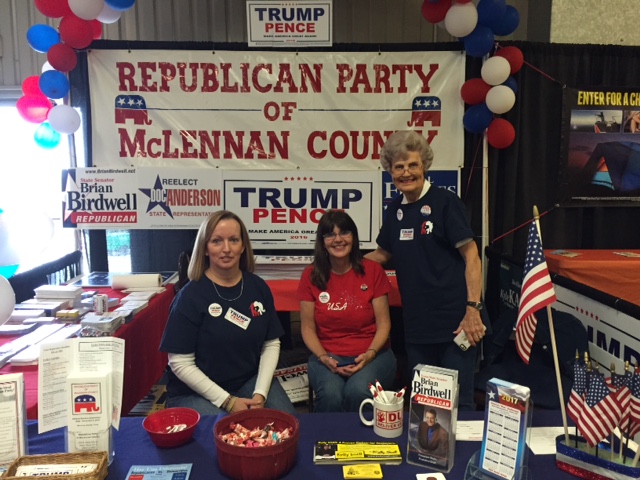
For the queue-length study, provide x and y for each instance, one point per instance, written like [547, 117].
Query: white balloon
[8, 251]
[109, 15]
[64, 119]
[461, 19]
[46, 66]
[86, 9]
[500, 99]
[7, 299]
[495, 70]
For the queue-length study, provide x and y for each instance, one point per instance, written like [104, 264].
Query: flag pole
[536, 217]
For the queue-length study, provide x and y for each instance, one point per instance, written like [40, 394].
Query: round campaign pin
[215, 310]
[364, 287]
[425, 210]
[399, 214]
[324, 297]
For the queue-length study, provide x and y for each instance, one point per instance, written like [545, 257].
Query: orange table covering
[286, 298]
[615, 272]
[143, 363]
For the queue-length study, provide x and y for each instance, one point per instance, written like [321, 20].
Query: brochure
[179, 471]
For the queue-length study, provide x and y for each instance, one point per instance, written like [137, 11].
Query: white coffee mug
[387, 418]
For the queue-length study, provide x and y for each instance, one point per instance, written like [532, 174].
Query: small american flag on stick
[537, 292]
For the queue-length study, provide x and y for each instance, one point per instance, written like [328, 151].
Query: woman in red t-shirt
[344, 313]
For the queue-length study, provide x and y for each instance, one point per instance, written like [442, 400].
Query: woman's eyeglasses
[333, 235]
[413, 167]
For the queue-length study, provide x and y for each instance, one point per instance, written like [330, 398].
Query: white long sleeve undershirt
[184, 367]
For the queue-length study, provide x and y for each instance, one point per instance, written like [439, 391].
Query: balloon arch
[477, 24]
[43, 95]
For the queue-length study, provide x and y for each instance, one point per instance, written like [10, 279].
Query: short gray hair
[400, 143]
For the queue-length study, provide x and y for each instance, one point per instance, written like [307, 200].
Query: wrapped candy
[241, 436]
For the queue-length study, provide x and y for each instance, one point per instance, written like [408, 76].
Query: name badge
[237, 318]
[406, 234]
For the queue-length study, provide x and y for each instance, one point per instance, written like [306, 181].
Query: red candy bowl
[257, 463]
[171, 427]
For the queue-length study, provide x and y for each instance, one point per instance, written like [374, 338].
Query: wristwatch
[477, 305]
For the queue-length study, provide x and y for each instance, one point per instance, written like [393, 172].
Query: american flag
[576, 398]
[634, 405]
[620, 386]
[601, 413]
[537, 292]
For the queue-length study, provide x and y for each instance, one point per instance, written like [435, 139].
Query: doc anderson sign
[281, 209]
[270, 110]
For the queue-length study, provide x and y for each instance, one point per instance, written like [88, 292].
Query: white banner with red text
[251, 110]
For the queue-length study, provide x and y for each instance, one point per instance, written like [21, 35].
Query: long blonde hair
[200, 262]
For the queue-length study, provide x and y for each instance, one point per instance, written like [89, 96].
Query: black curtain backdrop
[523, 175]
[527, 173]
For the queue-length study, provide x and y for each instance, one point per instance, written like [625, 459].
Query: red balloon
[474, 91]
[31, 86]
[96, 28]
[434, 12]
[514, 56]
[34, 108]
[62, 57]
[53, 8]
[75, 32]
[500, 133]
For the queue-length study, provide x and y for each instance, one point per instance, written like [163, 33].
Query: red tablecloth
[605, 270]
[143, 363]
[286, 298]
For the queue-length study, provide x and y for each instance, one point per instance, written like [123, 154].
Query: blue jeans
[335, 393]
[448, 355]
[277, 399]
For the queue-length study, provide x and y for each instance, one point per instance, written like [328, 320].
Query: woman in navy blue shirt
[223, 333]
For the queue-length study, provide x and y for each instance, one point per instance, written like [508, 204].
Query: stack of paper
[107, 322]
[132, 307]
[59, 292]
[283, 267]
[50, 307]
[9, 350]
[29, 356]
[139, 296]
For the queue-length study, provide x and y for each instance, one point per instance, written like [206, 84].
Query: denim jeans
[448, 355]
[277, 399]
[335, 393]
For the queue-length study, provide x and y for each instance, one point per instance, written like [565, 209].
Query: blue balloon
[46, 137]
[120, 5]
[477, 118]
[54, 84]
[508, 23]
[8, 271]
[490, 10]
[42, 37]
[512, 84]
[479, 42]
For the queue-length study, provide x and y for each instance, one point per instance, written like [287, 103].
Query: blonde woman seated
[223, 333]
[345, 319]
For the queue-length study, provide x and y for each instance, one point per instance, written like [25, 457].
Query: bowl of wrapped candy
[256, 444]
[171, 427]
